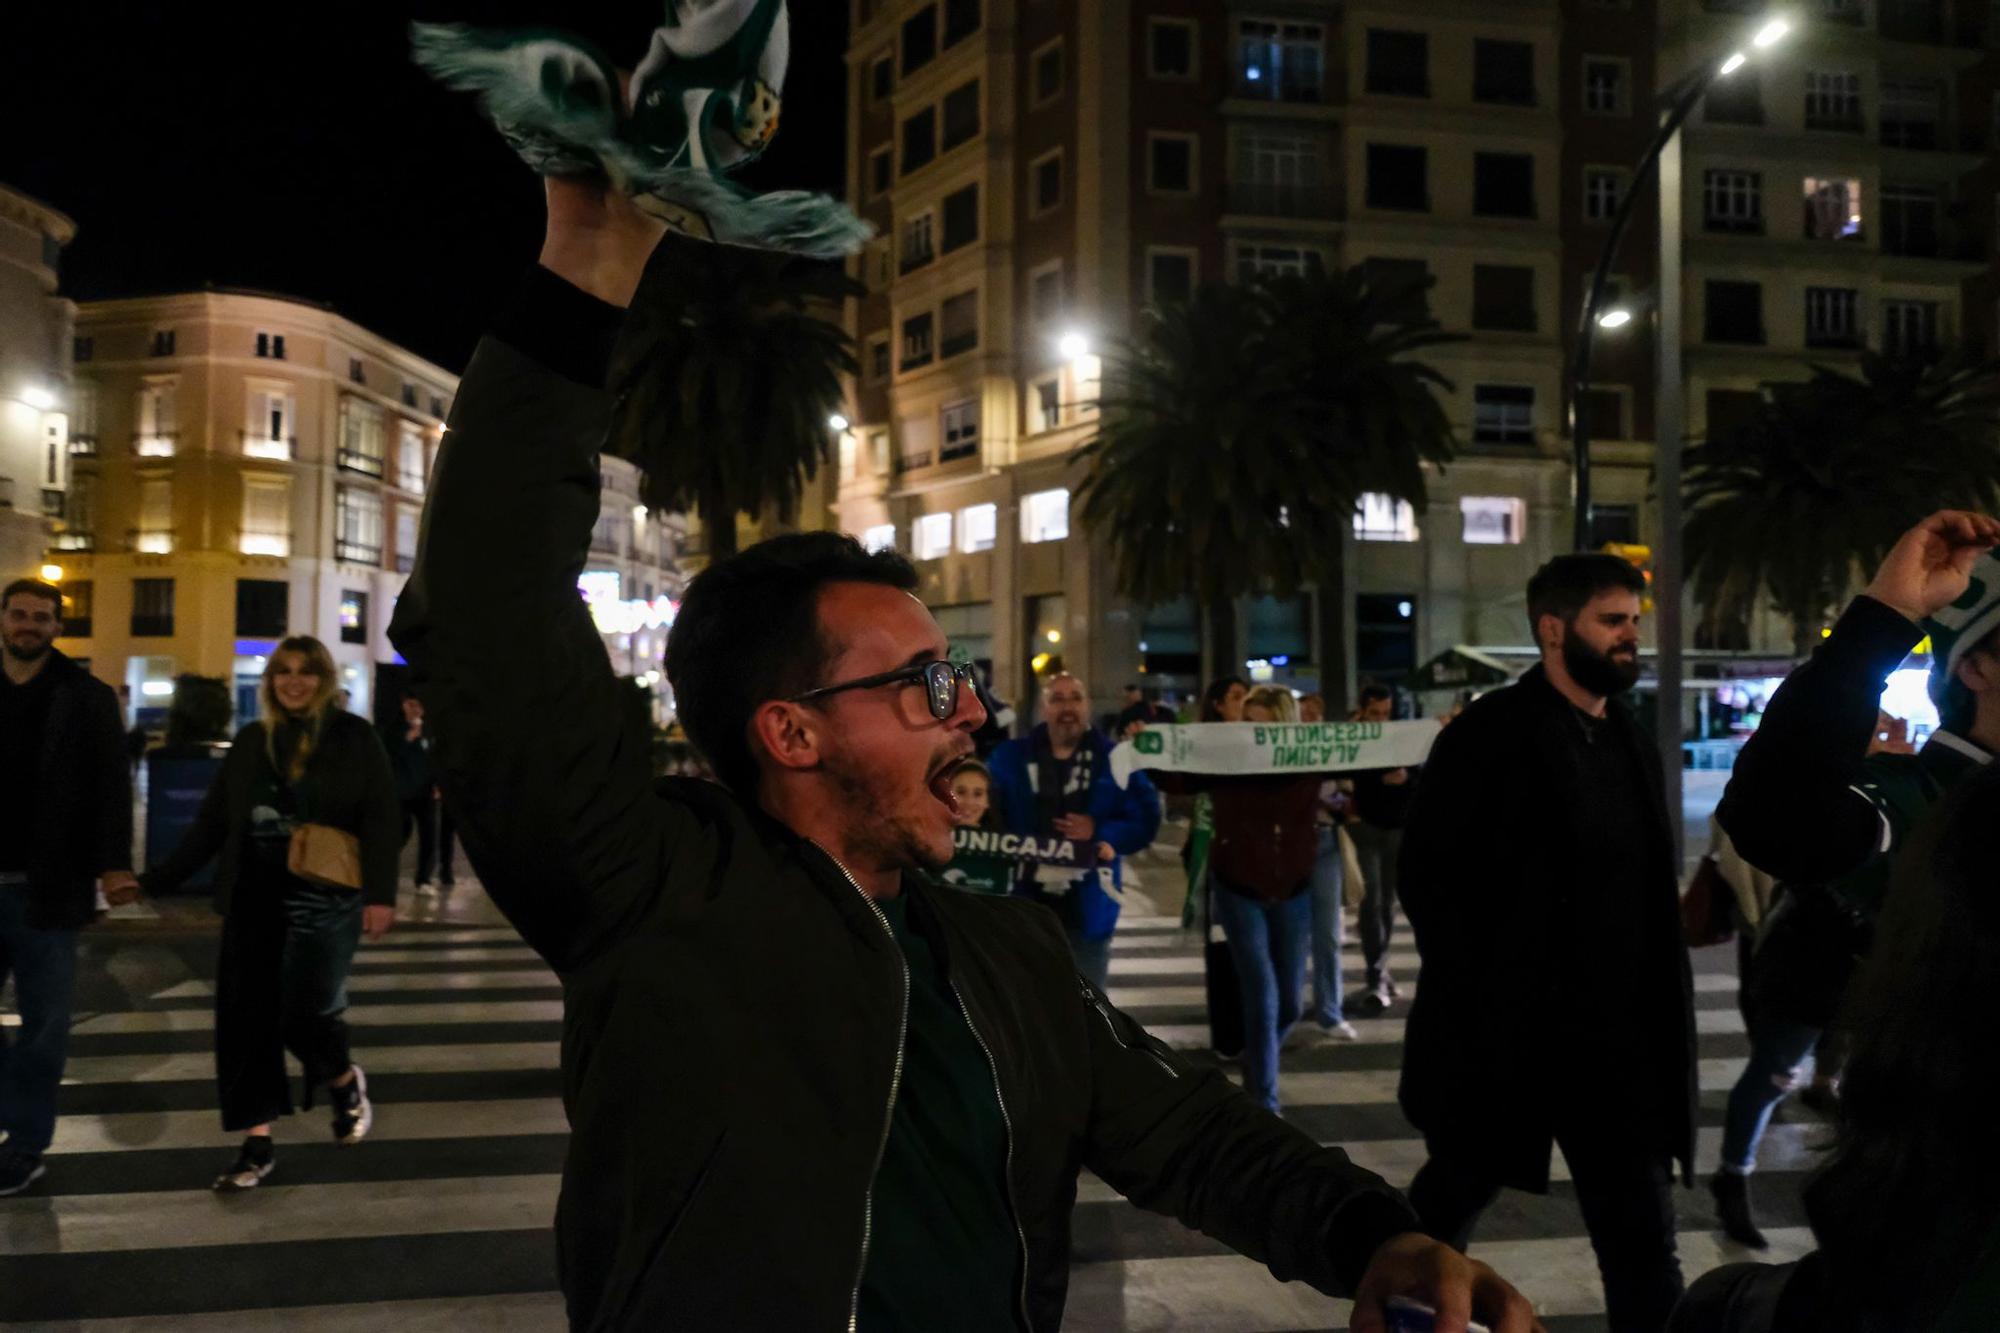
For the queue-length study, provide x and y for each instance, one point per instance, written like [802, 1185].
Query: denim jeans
[1377, 850]
[1778, 1052]
[1328, 880]
[1268, 943]
[281, 984]
[43, 965]
[1093, 957]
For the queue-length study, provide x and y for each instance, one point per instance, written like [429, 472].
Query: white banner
[1252, 749]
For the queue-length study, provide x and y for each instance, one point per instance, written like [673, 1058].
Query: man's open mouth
[940, 781]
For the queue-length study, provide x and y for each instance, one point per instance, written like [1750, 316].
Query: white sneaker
[1341, 1031]
[424, 890]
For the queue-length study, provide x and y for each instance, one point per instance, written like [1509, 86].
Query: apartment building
[1040, 171]
[246, 466]
[34, 379]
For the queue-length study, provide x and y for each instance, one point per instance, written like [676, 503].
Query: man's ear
[1548, 631]
[1979, 671]
[790, 734]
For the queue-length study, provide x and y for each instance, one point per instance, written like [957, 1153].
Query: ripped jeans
[1778, 1054]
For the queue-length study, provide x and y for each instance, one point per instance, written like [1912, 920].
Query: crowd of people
[808, 1085]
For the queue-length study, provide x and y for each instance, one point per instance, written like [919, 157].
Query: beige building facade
[35, 325]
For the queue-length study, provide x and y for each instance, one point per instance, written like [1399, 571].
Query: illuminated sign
[616, 615]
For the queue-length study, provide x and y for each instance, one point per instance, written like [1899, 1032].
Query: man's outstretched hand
[597, 239]
[1929, 568]
[1458, 1288]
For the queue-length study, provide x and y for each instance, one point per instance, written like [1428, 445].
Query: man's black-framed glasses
[939, 679]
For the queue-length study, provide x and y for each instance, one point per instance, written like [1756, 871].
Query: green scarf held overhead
[703, 101]
[1273, 749]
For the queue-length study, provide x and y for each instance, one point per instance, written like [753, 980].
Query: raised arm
[1795, 805]
[550, 782]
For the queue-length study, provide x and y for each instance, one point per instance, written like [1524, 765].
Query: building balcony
[265, 543]
[257, 444]
[155, 443]
[357, 553]
[1270, 199]
[83, 445]
[150, 541]
[354, 460]
[82, 542]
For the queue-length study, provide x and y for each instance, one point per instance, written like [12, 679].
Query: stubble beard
[885, 839]
[1599, 673]
[34, 653]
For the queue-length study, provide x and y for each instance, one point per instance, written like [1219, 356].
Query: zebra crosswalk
[441, 1220]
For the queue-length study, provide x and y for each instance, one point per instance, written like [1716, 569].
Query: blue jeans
[43, 964]
[1267, 942]
[1093, 957]
[1328, 880]
[1778, 1052]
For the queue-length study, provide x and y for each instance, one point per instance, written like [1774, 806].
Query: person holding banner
[1056, 783]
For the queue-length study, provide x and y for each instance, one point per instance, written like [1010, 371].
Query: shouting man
[806, 1088]
[1555, 1004]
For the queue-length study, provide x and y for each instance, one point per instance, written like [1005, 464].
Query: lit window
[978, 527]
[1493, 520]
[930, 536]
[881, 537]
[353, 616]
[1383, 518]
[1045, 516]
[1503, 414]
[1833, 208]
[267, 516]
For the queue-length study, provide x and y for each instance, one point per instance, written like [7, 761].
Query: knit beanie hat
[703, 101]
[1959, 628]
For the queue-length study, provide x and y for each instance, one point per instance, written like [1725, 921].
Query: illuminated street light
[37, 397]
[1615, 318]
[1734, 63]
[836, 422]
[1771, 32]
[1073, 345]
[52, 573]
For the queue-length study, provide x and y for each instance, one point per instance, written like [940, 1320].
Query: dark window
[437, 407]
[1604, 86]
[1732, 409]
[1049, 182]
[1169, 276]
[1732, 200]
[917, 341]
[1399, 63]
[1170, 165]
[919, 39]
[1503, 72]
[881, 171]
[919, 139]
[1735, 100]
[1503, 297]
[271, 345]
[82, 348]
[961, 115]
[1833, 317]
[353, 616]
[1404, 284]
[1614, 523]
[1910, 111]
[1604, 411]
[263, 608]
[79, 598]
[1385, 633]
[958, 324]
[959, 430]
[961, 218]
[354, 370]
[1833, 100]
[1909, 327]
[882, 78]
[878, 359]
[152, 608]
[163, 342]
[1397, 178]
[1503, 414]
[1503, 185]
[1048, 73]
[1912, 20]
[1909, 220]
[409, 394]
[961, 20]
[1171, 49]
[1733, 312]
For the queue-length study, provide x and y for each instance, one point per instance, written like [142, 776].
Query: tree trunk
[1331, 650]
[1223, 658]
[718, 522]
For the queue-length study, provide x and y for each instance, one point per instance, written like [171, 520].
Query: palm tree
[1791, 504]
[1240, 430]
[725, 376]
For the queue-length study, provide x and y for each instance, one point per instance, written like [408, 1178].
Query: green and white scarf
[1266, 749]
[703, 101]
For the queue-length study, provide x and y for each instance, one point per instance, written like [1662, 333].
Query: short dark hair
[47, 592]
[748, 631]
[1370, 693]
[1565, 585]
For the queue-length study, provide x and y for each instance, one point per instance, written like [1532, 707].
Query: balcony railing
[150, 541]
[155, 443]
[265, 543]
[354, 460]
[257, 444]
[357, 553]
[74, 541]
[1271, 199]
[83, 446]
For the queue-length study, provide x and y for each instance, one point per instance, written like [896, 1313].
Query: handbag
[1354, 886]
[1705, 917]
[324, 855]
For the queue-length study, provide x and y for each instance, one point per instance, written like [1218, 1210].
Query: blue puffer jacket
[1127, 818]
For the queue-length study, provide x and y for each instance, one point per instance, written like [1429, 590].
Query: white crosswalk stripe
[472, 1131]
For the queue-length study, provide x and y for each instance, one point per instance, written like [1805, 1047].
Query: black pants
[422, 811]
[281, 984]
[446, 832]
[1627, 1201]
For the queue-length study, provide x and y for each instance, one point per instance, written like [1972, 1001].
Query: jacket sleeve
[381, 831]
[1132, 818]
[1184, 1141]
[1794, 806]
[1010, 788]
[1460, 810]
[549, 780]
[111, 841]
[210, 829]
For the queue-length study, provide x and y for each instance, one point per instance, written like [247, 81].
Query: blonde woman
[281, 978]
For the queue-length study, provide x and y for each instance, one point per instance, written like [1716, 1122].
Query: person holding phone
[287, 941]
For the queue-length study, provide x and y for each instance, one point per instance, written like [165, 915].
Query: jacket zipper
[888, 1112]
[1096, 1001]
[1007, 1123]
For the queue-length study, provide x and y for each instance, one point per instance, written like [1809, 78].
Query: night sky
[295, 149]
